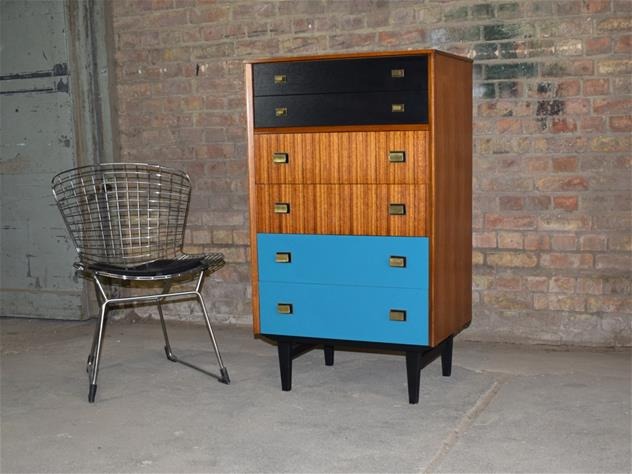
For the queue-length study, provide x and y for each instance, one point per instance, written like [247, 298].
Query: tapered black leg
[446, 357]
[329, 355]
[413, 370]
[285, 364]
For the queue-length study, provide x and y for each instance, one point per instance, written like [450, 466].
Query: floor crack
[464, 423]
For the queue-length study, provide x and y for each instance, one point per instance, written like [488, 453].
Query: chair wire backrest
[124, 213]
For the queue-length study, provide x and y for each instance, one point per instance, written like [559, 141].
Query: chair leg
[222, 369]
[168, 351]
[97, 354]
[95, 336]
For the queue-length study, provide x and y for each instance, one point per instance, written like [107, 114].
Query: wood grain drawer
[341, 209]
[397, 262]
[345, 158]
[340, 76]
[366, 108]
[354, 313]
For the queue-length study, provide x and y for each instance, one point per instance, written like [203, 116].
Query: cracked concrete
[506, 408]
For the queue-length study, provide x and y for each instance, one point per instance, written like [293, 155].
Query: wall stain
[64, 140]
[62, 86]
[14, 165]
[28, 265]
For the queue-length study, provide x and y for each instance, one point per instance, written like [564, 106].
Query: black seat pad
[155, 268]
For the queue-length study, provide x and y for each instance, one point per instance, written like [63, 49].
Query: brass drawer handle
[280, 111]
[397, 156]
[397, 73]
[283, 257]
[280, 158]
[397, 209]
[280, 78]
[397, 315]
[281, 208]
[398, 108]
[285, 308]
[396, 261]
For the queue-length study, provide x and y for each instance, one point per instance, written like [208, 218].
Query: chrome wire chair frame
[127, 222]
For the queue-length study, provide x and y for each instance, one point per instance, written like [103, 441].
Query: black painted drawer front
[403, 73]
[374, 108]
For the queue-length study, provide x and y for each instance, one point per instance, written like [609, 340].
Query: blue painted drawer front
[344, 260]
[353, 313]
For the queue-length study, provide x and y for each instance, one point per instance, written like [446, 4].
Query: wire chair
[127, 222]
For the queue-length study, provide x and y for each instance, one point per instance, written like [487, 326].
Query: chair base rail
[92, 366]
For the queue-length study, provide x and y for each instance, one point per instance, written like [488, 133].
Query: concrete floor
[505, 409]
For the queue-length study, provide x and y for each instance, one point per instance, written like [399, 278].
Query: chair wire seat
[127, 222]
[159, 269]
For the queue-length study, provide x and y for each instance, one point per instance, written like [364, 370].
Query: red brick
[621, 123]
[510, 240]
[567, 203]
[592, 124]
[496, 221]
[564, 223]
[600, 45]
[592, 242]
[566, 260]
[512, 203]
[614, 262]
[564, 163]
[557, 183]
[595, 6]
[215, 14]
[508, 125]
[561, 284]
[508, 282]
[564, 303]
[589, 286]
[512, 259]
[537, 283]
[620, 242]
[622, 6]
[610, 144]
[538, 203]
[623, 44]
[534, 241]
[612, 106]
[610, 304]
[596, 87]
[484, 239]
[568, 88]
[615, 24]
[507, 300]
[564, 242]
[563, 125]
[614, 66]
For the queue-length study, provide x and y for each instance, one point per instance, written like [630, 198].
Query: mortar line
[464, 423]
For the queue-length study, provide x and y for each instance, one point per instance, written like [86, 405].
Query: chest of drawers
[360, 203]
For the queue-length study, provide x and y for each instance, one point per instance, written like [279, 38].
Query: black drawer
[368, 108]
[401, 73]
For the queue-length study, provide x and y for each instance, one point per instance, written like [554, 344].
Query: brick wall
[552, 159]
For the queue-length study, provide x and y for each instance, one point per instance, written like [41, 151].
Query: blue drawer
[344, 260]
[352, 313]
